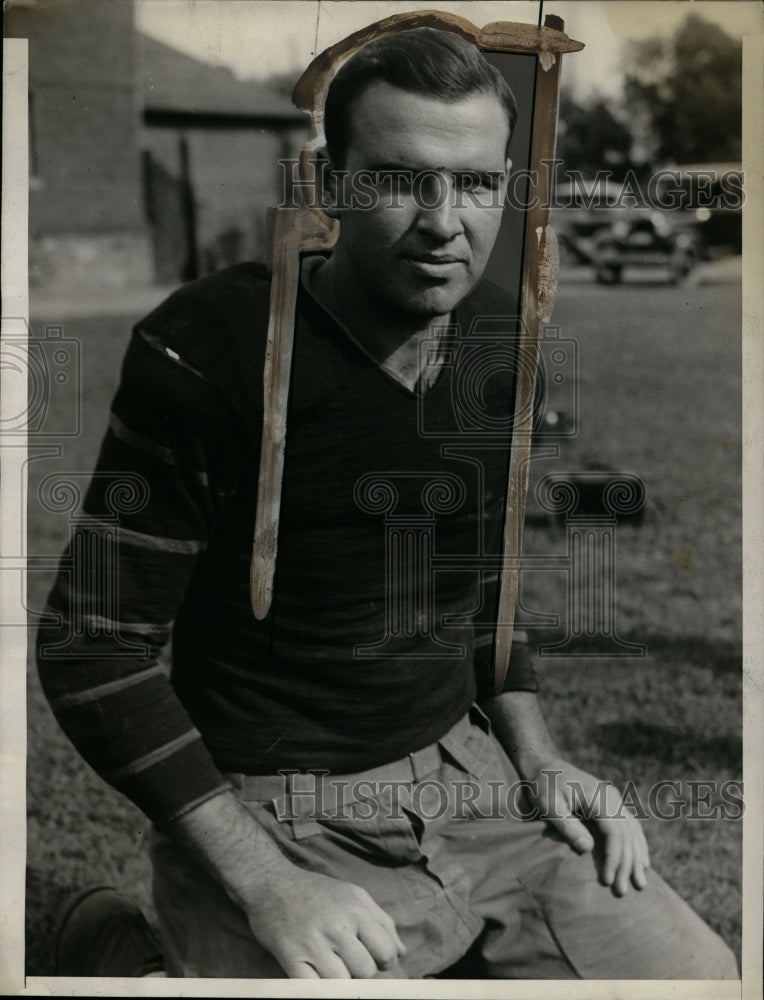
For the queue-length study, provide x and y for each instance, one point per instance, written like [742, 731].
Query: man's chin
[438, 300]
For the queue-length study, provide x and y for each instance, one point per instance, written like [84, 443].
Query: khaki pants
[446, 852]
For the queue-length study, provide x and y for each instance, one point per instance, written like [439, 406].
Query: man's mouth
[435, 258]
[440, 266]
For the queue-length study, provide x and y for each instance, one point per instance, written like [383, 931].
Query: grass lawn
[659, 387]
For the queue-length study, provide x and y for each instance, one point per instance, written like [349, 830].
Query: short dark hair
[439, 64]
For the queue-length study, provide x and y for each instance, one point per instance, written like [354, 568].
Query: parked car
[688, 213]
[708, 198]
[644, 241]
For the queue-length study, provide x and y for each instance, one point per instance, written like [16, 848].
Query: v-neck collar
[391, 370]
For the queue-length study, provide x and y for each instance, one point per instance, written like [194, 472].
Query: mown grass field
[659, 389]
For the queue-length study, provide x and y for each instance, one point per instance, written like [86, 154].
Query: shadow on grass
[669, 745]
[722, 656]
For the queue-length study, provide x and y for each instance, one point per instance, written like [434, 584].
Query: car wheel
[681, 267]
[608, 274]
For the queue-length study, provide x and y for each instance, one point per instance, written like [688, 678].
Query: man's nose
[437, 212]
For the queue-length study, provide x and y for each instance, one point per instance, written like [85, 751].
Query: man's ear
[328, 184]
[507, 172]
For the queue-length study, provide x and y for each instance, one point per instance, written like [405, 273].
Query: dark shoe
[102, 933]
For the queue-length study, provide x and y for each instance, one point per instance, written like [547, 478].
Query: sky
[256, 38]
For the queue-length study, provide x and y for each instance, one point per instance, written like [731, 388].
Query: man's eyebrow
[391, 167]
[409, 168]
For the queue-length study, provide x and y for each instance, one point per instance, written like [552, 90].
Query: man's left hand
[564, 795]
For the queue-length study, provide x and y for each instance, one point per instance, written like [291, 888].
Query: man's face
[423, 244]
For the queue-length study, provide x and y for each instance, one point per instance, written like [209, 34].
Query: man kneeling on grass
[399, 857]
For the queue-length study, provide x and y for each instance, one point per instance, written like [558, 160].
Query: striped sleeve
[148, 517]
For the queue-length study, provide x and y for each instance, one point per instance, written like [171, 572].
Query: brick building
[211, 146]
[146, 164]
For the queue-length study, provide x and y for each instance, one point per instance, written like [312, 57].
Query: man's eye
[493, 179]
[466, 180]
[397, 180]
[473, 180]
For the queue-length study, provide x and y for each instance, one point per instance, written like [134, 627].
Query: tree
[689, 89]
[591, 138]
[283, 83]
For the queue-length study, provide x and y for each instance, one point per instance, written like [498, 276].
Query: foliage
[689, 87]
[592, 138]
[283, 83]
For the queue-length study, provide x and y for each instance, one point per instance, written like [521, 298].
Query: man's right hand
[316, 927]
